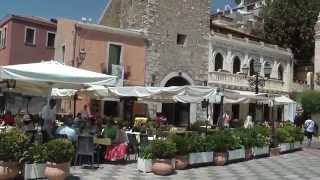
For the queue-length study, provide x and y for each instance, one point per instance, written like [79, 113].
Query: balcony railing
[241, 81]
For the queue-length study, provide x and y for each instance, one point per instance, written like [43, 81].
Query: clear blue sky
[74, 9]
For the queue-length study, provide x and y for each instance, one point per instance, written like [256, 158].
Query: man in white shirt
[309, 126]
[48, 115]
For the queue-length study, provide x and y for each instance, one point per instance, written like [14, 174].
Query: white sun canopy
[40, 77]
[245, 97]
[184, 94]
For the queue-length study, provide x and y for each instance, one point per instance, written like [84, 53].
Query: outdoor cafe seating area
[48, 150]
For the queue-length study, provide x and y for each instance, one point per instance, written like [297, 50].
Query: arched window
[236, 65]
[218, 62]
[251, 68]
[267, 65]
[280, 72]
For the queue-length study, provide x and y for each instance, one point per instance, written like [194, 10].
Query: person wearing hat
[27, 123]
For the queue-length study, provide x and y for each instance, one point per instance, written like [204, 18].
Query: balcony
[240, 81]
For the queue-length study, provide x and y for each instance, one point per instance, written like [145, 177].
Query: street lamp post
[259, 81]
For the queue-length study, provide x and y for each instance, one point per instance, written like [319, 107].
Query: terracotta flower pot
[162, 167]
[55, 171]
[275, 151]
[8, 170]
[248, 153]
[181, 162]
[220, 158]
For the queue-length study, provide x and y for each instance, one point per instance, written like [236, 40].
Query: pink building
[101, 49]
[26, 39]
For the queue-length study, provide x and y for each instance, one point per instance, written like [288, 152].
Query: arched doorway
[236, 65]
[218, 62]
[178, 114]
[251, 70]
[280, 73]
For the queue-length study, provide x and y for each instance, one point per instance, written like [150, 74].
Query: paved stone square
[298, 165]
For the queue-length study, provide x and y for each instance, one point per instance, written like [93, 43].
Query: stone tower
[176, 32]
[317, 53]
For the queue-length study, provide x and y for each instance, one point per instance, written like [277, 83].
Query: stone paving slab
[298, 165]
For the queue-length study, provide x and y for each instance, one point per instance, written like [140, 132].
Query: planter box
[34, 171]
[144, 165]
[284, 147]
[259, 151]
[200, 157]
[236, 154]
[296, 145]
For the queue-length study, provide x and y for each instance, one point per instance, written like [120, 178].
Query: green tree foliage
[310, 101]
[290, 23]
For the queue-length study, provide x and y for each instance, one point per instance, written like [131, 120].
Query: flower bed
[290, 138]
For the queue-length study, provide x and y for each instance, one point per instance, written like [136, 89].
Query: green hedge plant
[60, 151]
[181, 144]
[35, 154]
[222, 140]
[12, 144]
[163, 149]
[147, 152]
[198, 143]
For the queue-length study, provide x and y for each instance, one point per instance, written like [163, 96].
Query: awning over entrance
[184, 94]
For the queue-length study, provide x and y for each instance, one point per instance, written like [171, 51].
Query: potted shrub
[201, 150]
[35, 158]
[284, 137]
[12, 144]
[247, 139]
[221, 141]
[163, 151]
[262, 141]
[181, 160]
[60, 153]
[236, 151]
[144, 163]
[298, 138]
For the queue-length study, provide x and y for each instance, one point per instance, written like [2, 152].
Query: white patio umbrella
[52, 74]
[39, 78]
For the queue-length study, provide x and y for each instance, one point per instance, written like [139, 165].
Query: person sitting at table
[160, 119]
[118, 149]
[110, 131]
[8, 119]
[67, 130]
[27, 123]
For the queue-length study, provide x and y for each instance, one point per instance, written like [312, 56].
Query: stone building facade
[177, 47]
[317, 54]
[229, 54]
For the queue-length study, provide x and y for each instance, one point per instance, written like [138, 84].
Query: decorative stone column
[317, 54]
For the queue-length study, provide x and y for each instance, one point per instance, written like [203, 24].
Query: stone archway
[178, 114]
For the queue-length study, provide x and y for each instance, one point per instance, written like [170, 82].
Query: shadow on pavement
[72, 177]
